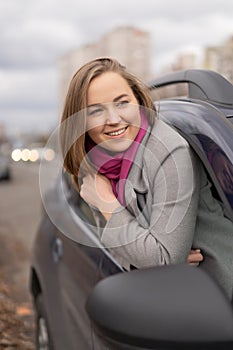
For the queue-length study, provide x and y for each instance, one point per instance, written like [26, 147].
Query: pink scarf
[116, 167]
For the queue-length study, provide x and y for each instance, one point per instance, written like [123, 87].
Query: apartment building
[130, 45]
[220, 59]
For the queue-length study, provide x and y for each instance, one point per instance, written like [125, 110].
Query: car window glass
[204, 126]
[220, 163]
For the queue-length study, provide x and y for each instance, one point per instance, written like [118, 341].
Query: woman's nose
[113, 116]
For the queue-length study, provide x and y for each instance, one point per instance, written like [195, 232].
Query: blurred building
[217, 58]
[130, 45]
[187, 60]
[220, 58]
[183, 61]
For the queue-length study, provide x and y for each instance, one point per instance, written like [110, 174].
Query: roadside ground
[20, 210]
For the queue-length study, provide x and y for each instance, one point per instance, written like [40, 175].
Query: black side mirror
[170, 307]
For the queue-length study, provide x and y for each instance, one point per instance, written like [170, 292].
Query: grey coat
[169, 210]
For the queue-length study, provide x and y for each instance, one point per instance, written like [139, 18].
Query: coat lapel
[137, 187]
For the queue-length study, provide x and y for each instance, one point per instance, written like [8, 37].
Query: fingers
[195, 257]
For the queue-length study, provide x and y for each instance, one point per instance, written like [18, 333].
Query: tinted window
[220, 163]
[211, 134]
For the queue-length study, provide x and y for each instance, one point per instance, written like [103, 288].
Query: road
[20, 212]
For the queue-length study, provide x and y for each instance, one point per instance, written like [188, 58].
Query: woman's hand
[195, 257]
[96, 190]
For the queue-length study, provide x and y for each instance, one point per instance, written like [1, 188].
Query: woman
[148, 191]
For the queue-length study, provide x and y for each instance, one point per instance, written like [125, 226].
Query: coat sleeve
[169, 234]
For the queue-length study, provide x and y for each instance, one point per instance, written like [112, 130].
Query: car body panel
[66, 280]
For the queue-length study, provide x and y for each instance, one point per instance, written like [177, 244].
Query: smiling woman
[115, 116]
[147, 190]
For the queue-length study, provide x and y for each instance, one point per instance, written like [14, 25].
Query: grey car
[85, 300]
[5, 171]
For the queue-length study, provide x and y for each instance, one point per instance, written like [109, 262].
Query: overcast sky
[35, 33]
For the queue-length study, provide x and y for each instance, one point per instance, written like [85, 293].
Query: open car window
[220, 164]
[210, 134]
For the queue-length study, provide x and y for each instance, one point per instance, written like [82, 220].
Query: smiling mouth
[117, 132]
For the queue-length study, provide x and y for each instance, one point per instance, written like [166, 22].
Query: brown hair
[72, 131]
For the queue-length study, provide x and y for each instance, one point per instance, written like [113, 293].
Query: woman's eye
[96, 111]
[122, 103]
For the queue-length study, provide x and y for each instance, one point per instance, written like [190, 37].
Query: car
[84, 299]
[5, 170]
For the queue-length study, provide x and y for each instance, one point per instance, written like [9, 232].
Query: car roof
[203, 84]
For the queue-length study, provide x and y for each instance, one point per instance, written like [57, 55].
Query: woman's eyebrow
[119, 97]
[95, 105]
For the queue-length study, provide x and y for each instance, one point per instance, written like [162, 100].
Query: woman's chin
[116, 145]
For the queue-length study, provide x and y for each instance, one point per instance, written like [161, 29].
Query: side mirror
[170, 307]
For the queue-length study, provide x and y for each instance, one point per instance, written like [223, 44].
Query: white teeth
[115, 133]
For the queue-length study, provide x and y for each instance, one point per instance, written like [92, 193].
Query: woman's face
[113, 117]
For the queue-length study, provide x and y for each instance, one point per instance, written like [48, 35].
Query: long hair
[73, 121]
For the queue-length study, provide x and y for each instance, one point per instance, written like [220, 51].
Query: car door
[82, 260]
